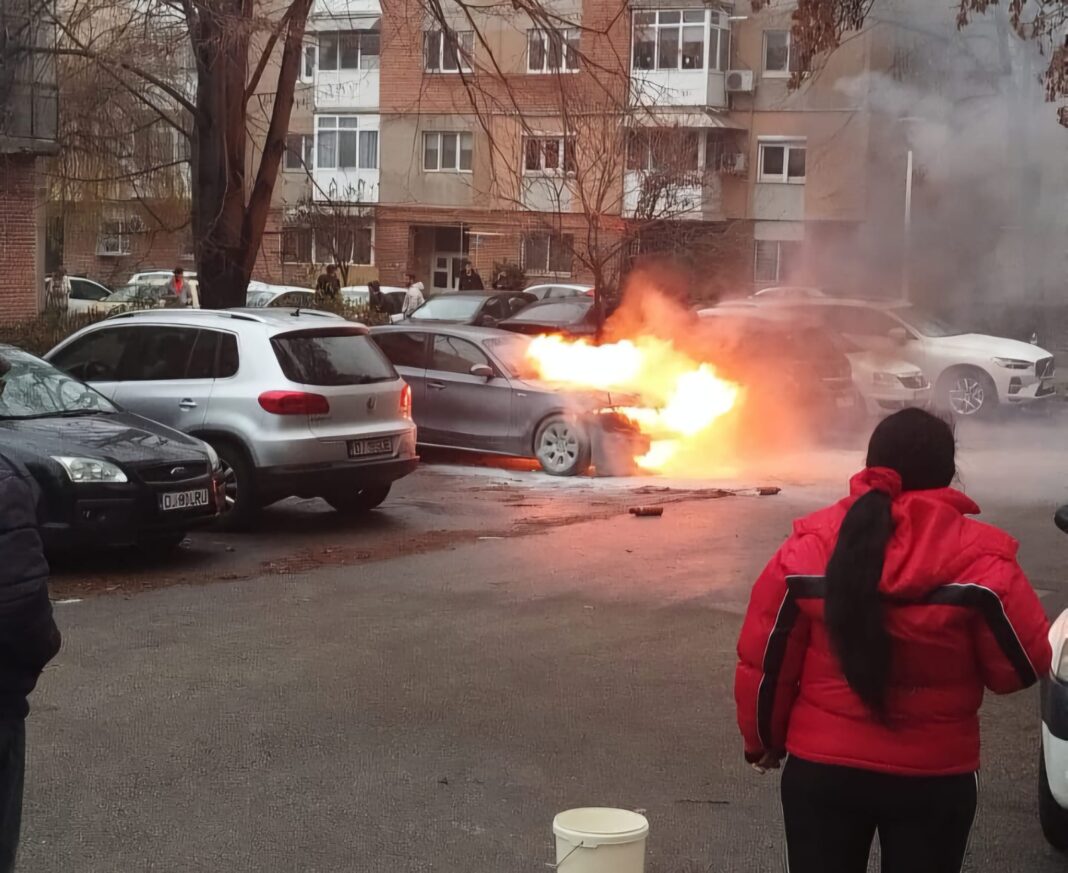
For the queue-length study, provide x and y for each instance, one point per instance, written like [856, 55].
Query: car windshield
[925, 323]
[32, 388]
[135, 292]
[511, 351]
[564, 312]
[259, 298]
[448, 308]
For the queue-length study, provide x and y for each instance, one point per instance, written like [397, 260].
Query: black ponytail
[920, 448]
[853, 610]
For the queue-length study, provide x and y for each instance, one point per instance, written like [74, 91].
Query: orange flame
[684, 398]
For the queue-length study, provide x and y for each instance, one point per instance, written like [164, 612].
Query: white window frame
[778, 74]
[569, 55]
[307, 153]
[338, 129]
[780, 275]
[546, 268]
[650, 164]
[787, 144]
[715, 61]
[310, 53]
[562, 151]
[361, 65]
[116, 242]
[326, 256]
[440, 134]
[465, 43]
[282, 243]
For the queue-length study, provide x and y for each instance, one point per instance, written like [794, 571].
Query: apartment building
[28, 118]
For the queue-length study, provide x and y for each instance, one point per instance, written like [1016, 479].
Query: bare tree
[341, 232]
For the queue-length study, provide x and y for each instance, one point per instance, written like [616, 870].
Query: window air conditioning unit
[739, 81]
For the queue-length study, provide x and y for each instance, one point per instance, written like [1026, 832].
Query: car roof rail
[224, 313]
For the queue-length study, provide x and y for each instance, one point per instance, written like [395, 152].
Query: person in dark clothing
[29, 639]
[469, 279]
[869, 641]
[328, 285]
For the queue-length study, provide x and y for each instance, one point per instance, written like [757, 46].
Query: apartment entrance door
[445, 271]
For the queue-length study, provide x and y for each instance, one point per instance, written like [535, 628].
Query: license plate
[176, 500]
[363, 448]
[845, 402]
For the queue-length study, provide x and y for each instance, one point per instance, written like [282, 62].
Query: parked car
[159, 277]
[107, 477]
[360, 295]
[575, 316]
[557, 291]
[261, 295]
[84, 293]
[971, 373]
[789, 292]
[295, 402]
[145, 295]
[483, 310]
[473, 388]
[1053, 757]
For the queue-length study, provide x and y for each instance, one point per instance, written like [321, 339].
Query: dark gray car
[473, 388]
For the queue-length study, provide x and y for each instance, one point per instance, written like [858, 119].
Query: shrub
[41, 334]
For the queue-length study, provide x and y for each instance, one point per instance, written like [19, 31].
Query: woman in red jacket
[868, 643]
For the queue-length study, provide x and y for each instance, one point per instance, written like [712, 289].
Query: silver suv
[295, 402]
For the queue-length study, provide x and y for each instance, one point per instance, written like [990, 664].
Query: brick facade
[21, 245]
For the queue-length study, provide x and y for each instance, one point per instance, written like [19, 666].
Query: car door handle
[437, 386]
[187, 404]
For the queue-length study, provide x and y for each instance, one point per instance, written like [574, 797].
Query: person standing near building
[178, 293]
[29, 638]
[413, 297]
[865, 652]
[469, 279]
[328, 285]
[58, 298]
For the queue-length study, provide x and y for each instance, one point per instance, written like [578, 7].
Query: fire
[684, 398]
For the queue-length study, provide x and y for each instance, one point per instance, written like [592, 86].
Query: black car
[478, 309]
[107, 477]
[574, 316]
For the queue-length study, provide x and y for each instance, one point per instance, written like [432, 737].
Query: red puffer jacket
[960, 612]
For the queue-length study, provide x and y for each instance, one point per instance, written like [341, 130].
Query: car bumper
[880, 401]
[1055, 737]
[316, 480]
[1015, 391]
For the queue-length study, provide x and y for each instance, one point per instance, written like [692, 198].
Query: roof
[461, 330]
[276, 317]
[871, 303]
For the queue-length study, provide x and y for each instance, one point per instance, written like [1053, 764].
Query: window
[779, 57]
[164, 354]
[308, 63]
[296, 245]
[664, 151]
[453, 355]
[860, 321]
[342, 147]
[450, 152]
[446, 51]
[549, 155]
[83, 289]
[677, 39]
[782, 161]
[36, 389]
[548, 253]
[115, 236]
[553, 51]
[96, 357]
[300, 151]
[202, 360]
[331, 356]
[403, 349]
[774, 259]
[346, 245]
[348, 50]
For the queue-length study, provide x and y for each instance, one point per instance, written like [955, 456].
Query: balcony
[679, 58]
[344, 9]
[650, 195]
[678, 88]
[348, 185]
[346, 89]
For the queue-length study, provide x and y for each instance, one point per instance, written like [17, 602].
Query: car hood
[586, 398]
[122, 438]
[992, 346]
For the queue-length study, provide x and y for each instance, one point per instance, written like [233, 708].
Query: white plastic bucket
[600, 840]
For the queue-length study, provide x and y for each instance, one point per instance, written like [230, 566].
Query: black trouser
[12, 768]
[832, 814]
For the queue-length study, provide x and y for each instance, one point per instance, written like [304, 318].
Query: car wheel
[968, 392]
[562, 447]
[358, 501]
[1053, 817]
[241, 505]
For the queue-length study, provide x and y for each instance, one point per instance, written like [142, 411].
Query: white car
[788, 292]
[85, 294]
[971, 373]
[1053, 761]
[558, 290]
[261, 295]
[158, 277]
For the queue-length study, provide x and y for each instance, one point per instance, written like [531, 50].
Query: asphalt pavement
[425, 690]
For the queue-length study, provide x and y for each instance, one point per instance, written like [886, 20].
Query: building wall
[21, 242]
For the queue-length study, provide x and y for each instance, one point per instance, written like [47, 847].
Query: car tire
[239, 479]
[562, 446]
[1052, 816]
[358, 501]
[967, 392]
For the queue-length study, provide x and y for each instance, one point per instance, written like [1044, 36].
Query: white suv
[971, 372]
[295, 402]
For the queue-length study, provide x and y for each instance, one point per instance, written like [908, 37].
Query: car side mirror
[484, 371]
[899, 335]
[1060, 518]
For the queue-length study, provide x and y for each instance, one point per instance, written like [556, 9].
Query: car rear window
[564, 312]
[334, 356]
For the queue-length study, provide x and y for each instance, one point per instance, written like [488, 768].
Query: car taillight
[294, 403]
[406, 401]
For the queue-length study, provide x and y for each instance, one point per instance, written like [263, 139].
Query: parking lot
[424, 689]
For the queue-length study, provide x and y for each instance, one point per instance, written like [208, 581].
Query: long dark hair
[920, 447]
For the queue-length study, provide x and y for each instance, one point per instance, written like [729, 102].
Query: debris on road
[646, 511]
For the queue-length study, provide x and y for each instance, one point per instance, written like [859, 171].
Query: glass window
[202, 360]
[775, 260]
[449, 157]
[95, 357]
[782, 161]
[338, 139]
[370, 48]
[777, 51]
[795, 164]
[331, 356]
[349, 51]
[308, 71]
[447, 151]
[328, 51]
[553, 51]
[548, 154]
[403, 349]
[296, 245]
[448, 51]
[453, 355]
[672, 39]
[548, 253]
[80, 289]
[228, 360]
[163, 353]
[300, 151]
[772, 157]
[32, 388]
